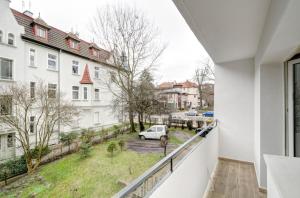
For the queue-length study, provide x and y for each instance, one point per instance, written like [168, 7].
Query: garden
[100, 170]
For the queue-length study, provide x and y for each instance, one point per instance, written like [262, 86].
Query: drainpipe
[58, 95]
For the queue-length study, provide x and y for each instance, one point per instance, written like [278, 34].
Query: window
[159, 129]
[74, 44]
[6, 72]
[75, 67]
[1, 36]
[10, 140]
[5, 105]
[32, 57]
[52, 90]
[97, 94]
[11, 39]
[41, 32]
[94, 52]
[97, 117]
[52, 62]
[32, 90]
[85, 93]
[32, 124]
[97, 72]
[75, 92]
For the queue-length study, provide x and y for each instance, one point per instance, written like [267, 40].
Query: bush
[85, 149]
[121, 144]
[13, 168]
[111, 148]
[68, 138]
[35, 152]
[189, 124]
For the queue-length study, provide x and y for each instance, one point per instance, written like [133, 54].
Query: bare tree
[134, 45]
[204, 74]
[34, 113]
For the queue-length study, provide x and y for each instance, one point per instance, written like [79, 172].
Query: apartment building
[31, 51]
[179, 96]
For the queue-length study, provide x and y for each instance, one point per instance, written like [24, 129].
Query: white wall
[271, 114]
[234, 109]
[191, 177]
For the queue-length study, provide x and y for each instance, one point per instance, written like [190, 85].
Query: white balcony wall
[269, 106]
[191, 177]
[234, 108]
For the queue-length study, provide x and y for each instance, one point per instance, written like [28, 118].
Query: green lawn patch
[95, 176]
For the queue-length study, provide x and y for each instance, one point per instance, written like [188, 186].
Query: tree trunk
[131, 119]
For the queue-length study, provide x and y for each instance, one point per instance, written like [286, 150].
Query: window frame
[74, 44]
[49, 66]
[8, 108]
[97, 71]
[97, 117]
[39, 30]
[75, 91]
[52, 89]
[12, 69]
[1, 36]
[10, 143]
[32, 124]
[13, 39]
[85, 93]
[75, 65]
[97, 94]
[30, 55]
[32, 90]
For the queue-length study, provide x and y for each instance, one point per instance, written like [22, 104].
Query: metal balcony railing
[147, 183]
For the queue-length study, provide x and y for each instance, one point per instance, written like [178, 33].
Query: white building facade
[31, 51]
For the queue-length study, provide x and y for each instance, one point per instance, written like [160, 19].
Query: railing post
[171, 164]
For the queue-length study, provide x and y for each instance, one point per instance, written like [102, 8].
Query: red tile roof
[57, 39]
[86, 78]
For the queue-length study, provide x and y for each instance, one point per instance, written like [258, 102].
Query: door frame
[290, 107]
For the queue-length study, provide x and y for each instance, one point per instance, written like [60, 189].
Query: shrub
[121, 144]
[35, 152]
[68, 138]
[85, 149]
[111, 148]
[13, 168]
[189, 124]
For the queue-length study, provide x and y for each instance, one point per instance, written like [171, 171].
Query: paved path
[146, 146]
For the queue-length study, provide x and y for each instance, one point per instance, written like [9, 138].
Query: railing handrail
[137, 182]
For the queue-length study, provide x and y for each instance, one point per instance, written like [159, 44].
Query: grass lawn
[95, 176]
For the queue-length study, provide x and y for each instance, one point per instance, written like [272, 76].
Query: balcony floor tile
[235, 180]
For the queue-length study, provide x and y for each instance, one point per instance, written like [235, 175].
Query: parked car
[154, 132]
[191, 113]
[208, 114]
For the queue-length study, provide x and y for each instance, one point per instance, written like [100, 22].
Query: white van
[154, 132]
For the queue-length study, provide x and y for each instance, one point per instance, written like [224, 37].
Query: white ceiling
[228, 29]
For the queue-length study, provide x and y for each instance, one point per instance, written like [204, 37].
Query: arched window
[1, 36]
[11, 39]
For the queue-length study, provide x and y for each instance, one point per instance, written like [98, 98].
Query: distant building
[179, 96]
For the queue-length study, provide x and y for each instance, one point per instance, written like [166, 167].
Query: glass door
[293, 108]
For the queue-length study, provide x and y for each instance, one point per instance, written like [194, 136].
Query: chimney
[28, 13]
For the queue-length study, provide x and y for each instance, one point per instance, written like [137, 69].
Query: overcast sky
[182, 55]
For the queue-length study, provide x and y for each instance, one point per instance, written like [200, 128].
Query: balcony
[195, 170]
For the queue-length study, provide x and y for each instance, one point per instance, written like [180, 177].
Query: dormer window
[73, 41]
[94, 52]
[41, 32]
[74, 44]
[40, 28]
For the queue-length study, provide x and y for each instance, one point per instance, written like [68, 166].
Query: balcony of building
[254, 150]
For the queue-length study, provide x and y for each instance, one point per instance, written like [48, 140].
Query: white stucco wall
[234, 109]
[271, 114]
[191, 177]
